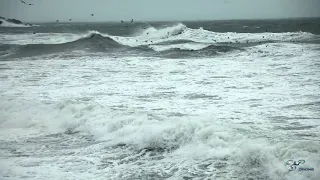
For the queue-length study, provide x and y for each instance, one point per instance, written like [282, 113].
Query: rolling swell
[93, 42]
[209, 51]
[173, 41]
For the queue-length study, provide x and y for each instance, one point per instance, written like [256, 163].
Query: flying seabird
[26, 3]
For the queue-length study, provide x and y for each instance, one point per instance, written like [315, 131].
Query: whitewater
[169, 101]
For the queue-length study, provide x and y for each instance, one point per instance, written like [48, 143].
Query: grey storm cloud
[145, 10]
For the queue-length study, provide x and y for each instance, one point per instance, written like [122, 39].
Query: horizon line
[186, 20]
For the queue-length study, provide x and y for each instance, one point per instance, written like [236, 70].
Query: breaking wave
[174, 38]
[5, 23]
[8, 24]
[198, 144]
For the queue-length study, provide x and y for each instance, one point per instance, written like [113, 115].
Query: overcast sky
[143, 10]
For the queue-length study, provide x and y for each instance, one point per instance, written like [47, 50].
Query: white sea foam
[184, 46]
[240, 115]
[9, 24]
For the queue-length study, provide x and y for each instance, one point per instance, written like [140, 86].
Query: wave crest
[164, 32]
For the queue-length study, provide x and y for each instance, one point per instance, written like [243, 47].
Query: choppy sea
[207, 100]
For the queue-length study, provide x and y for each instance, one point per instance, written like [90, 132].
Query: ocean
[205, 100]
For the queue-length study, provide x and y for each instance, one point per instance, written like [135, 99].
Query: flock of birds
[93, 15]
[132, 22]
[58, 20]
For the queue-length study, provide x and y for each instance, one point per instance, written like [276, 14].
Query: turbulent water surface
[186, 100]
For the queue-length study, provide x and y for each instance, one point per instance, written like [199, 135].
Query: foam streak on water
[239, 115]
